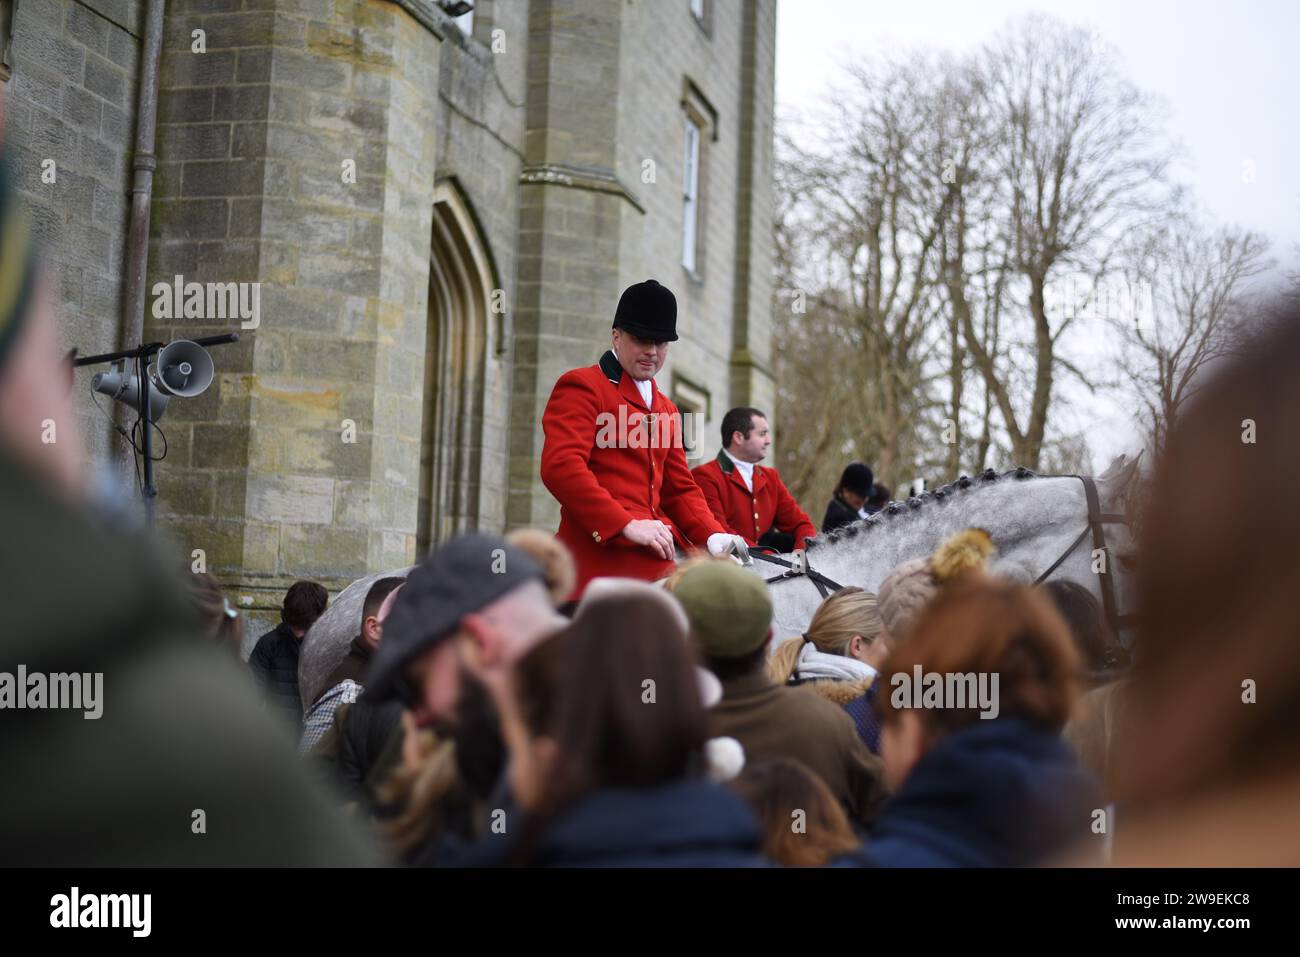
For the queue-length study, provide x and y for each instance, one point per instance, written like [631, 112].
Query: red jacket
[752, 514]
[607, 464]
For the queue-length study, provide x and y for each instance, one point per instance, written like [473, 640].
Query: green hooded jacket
[182, 730]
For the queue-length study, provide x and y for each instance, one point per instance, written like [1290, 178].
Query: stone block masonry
[71, 116]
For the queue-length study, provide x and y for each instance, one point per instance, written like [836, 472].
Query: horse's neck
[1027, 519]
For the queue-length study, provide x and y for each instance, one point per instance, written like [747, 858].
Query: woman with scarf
[838, 657]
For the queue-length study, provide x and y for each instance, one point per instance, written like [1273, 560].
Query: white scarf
[814, 664]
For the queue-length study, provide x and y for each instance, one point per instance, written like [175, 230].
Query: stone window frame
[691, 398]
[698, 112]
[8, 17]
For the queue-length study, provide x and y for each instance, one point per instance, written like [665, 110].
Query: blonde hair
[420, 790]
[849, 612]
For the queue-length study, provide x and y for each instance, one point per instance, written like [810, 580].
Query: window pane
[690, 194]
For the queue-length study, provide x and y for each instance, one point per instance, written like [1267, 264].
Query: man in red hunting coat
[749, 500]
[613, 455]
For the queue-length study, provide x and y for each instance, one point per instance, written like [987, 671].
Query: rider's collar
[610, 365]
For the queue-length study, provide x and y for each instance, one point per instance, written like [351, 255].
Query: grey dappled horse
[1032, 519]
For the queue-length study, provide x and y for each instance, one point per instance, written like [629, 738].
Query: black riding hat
[648, 311]
[857, 478]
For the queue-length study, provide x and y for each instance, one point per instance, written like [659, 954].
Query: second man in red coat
[749, 500]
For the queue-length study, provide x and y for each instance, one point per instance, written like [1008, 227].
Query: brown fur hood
[837, 691]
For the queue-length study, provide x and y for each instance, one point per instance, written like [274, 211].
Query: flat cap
[460, 577]
[729, 608]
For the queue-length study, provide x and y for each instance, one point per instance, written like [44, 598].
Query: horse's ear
[1116, 479]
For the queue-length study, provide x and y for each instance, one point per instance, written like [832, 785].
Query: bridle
[824, 585]
[1097, 522]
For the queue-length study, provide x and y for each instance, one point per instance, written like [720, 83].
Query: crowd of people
[658, 726]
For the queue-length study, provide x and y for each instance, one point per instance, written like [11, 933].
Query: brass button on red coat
[596, 535]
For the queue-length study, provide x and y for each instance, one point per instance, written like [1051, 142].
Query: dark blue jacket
[999, 793]
[274, 663]
[689, 823]
[858, 705]
[865, 719]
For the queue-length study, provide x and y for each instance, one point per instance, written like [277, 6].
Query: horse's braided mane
[944, 492]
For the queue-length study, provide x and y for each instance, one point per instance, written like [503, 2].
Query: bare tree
[925, 228]
[974, 255]
[1193, 283]
[861, 247]
[1074, 165]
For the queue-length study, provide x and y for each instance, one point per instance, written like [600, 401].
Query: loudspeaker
[184, 369]
[118, 384]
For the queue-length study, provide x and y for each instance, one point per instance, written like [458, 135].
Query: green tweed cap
[729, 608]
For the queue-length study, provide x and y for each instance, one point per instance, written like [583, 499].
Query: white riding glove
[721, 543]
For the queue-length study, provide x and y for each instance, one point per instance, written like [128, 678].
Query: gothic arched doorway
[461, 281]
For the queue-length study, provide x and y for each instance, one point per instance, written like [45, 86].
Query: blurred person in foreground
[803, 824]
[413, 783]
[180, 767]
[475, 596]
[607, 731]
[221, 623]
[987, 782]
[367, 735]
[1206, 768]
[559, 573]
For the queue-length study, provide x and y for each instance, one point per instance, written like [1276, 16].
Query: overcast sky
[1231, 87]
